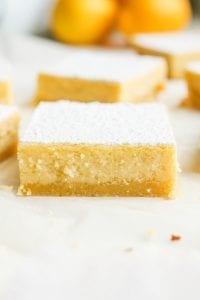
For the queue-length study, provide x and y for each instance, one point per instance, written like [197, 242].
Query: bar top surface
[65, 122]
[105, 65]
[172, 43]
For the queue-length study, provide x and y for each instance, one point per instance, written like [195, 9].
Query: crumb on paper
[129, 249]
[175, 238]
[7, 188]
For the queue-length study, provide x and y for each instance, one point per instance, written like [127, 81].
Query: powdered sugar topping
[106, 65]
[98, 123]
[172, 43]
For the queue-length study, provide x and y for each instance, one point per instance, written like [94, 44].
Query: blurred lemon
[83, 21]
[153, 15]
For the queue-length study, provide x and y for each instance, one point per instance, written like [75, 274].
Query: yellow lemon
[83, 21]
[153, 15]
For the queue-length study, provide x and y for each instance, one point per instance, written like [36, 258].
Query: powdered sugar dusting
[6, 111]
[172, 43]
[98, 123]
[106, 65]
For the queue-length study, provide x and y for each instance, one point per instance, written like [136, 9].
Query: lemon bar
[9, 122]
[98, 149]
[102, 75]
[192, 77]
[6, 96]
[177, 48]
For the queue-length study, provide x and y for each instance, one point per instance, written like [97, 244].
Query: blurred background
[94, 21]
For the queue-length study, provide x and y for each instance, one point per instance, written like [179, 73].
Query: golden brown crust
[134, 188]
[91, 170]
[193, 85]
[52, 88]
[9, 136]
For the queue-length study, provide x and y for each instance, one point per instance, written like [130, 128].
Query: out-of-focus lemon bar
[6, 96]
[192, 77]
[177, 48]
[98, 149]
[9, 122]
[109, 76]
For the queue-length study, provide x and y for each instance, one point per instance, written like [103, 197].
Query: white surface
[6, 111]
[99, 123]
[5, 69]
[172, 43]
[111, 66]
[102, 248]
[25, 15]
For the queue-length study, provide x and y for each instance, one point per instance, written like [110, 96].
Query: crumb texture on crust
[89, 170]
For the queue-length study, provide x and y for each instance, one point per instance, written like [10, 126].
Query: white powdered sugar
[6, 111]
[170, 43]
[65, 122]
[194, 67]
[105, 65]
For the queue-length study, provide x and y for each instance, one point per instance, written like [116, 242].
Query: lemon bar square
[192, 77]
[9, 123]
[98, 149]
[109, 76]
[6, 96]
[177, 48]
